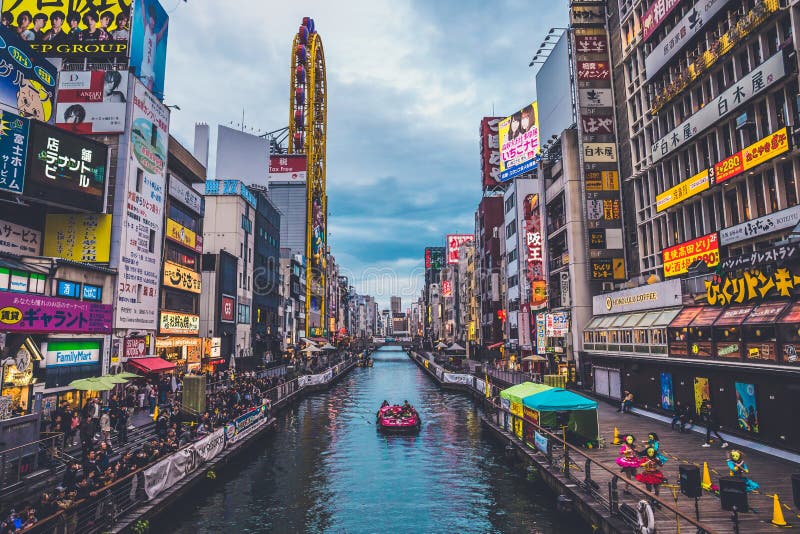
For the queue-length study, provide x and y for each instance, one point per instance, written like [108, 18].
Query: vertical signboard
[534, 259]
[454, 242]
[149, 44]
[490, 151]
[14, 132]
[598, 154]
[142, 213]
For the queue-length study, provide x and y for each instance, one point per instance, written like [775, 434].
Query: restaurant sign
[767, 224]
[39, 314]
[677, 259]
[773, 256]
[684, 190]
[653, 296]
[179, 323]
[751, 285]
[181, 278]
[762, 150]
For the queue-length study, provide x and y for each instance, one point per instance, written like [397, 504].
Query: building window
[512, 256]
[789, 184]
[244, 314]
[182, 217]
[510, 203]
[511, 229]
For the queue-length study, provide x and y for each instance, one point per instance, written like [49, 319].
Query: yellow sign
[602, 181]
[686, 189]
[78, 237]
[180, 277]
[179, 323]
[181, 234]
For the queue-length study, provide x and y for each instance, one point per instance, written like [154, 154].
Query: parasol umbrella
[312, 348]
[94, 383]
[114, 379]
[534, 358]
[308, 342]
[328, 346]
[128, 375]
[456, 347]
[441, 345]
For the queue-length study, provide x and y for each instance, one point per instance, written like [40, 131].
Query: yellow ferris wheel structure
[308, 127]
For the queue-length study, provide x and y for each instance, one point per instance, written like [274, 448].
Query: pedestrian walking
[712, 425]
[122, 425]
[105, 426]
[152, 397]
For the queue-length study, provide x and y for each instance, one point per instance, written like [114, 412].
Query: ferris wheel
[308, 125]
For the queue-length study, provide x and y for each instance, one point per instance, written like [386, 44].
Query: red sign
[287, 167]
[228, 313]
[762, 150]
[591, 44]
[490, 151]
[447, 288]
[454, 242]
[677, 259]
[655, 15]
[593, 70]
[534, 259]
[135, 347]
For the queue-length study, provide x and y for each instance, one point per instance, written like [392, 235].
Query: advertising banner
[454, 242]
[179, 323]
[746, 407]
[148, 57]
[157, 477]
[287, 168]
[100, 30]
[607, 269]
[228, 309]
[92, 102]
[39, 314]
[230, 187]
[592, 44]
[762, 150]
[594, 70]
[185, 195]
[595, 98]
[753, 83]
[519, 142]
[245, 424]
[657, 13]
[210, 446]
[780, 220]
[541, 337]
[453, 378]
[667, 394]
[447, 288]
[534, 258]
[684, 190]
[751, 286]
[19, 240]
[142, 213]
[702, 392]
[27, 80]
[78, 237]
[678, 258]
[14, 134]
[65, 169]
[73, 352]
[597, 124]
[180, 277]
[180, 234]
[599, 152]
[135, 347]
[557, 324]
[690, 25]
[490, 151]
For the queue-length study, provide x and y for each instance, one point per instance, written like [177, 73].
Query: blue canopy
[558, 400]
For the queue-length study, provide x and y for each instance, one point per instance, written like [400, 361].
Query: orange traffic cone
[616, 436]
[706, 477]
[777, 513]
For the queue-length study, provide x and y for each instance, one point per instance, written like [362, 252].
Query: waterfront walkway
[587, 480]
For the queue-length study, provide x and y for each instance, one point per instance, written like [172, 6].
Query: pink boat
[396, 419]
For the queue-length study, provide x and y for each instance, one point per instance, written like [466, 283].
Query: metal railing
[107, 505]
[18, 462]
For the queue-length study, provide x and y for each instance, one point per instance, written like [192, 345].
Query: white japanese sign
[20, 240]
[595, 98]
[767, 224]
[733, 97]
[185, 195]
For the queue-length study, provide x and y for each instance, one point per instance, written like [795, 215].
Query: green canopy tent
[514, 397]
[579, 414]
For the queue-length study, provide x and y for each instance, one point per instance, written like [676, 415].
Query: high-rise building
[396, 304]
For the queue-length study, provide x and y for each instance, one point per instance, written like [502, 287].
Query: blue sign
[70, 290]
[94, 293]
[230, 187]
[27, 80]
[540, 441]
[149, 44]
[14, 133]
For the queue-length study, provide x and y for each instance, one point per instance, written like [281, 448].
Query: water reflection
[327, 469]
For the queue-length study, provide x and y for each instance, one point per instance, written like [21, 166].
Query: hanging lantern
[299, 96]
[300, 74]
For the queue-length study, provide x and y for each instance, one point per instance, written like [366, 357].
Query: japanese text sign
[14, 133]
[594, 70]
[179, 323]
[684, 190]
[180, 277]
[591, 44]
[750, 286]
[655, 15]
[733, 97]
[101, 27]
[454, 242]
[27, 80]
[447, 288]
[773, 256]
[597, 124]
[490, 150]
[534, 248]
[180, 234]
[288, 168]
[519, 142]
[228, 309]
[677, 259]
[767, 224]
[762, 150]
[78, 237]
[39, 314]
[65, 169]
[19, 240]
[92, 102]
[557, 324]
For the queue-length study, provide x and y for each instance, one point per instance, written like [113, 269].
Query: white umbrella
[308, 341]
[441, 345]
[312, 348]
[328, 346]
[456, 346]
[534, 359]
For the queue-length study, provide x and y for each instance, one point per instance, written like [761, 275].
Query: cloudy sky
[408, 84]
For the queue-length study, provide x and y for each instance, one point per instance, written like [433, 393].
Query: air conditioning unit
[607, 287]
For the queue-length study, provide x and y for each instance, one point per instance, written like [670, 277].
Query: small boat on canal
[396, 419]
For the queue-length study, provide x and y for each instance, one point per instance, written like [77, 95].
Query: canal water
[327, 469]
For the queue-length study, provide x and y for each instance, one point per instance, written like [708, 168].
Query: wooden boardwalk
[773, 474]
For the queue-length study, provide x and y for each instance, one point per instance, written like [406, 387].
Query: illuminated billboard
[454, 242]
[519, 142]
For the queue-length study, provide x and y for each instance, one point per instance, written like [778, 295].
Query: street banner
[210, 446]
[245, 424]
[453, 378]
[156, 478]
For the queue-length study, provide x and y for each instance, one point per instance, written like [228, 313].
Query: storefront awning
[733, 316]
[606, 321]
[619, 320]
[707, 316]
[595, 322]
[648, 319]
[495, 345]
[152, 365]
[10, 263]
[633, 319]
[685, 317]
[792, 315]
[665, 318]
[766, 313]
